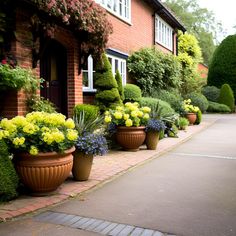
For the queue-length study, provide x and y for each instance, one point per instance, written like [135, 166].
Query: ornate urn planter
[130, 138]
[44, 172]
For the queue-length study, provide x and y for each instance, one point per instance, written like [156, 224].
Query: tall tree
[199, 22]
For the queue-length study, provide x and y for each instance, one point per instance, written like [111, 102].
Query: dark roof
[166, 14]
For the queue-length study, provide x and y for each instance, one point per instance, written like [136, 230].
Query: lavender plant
[155, 125]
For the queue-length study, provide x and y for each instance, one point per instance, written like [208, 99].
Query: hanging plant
[83, 17]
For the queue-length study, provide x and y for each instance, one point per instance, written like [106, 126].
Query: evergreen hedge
[215, 107]
[212, 93]
[198, 99]
[8, 177]
[132, 93]
[107, 94]
[227, 97]
[222, 69]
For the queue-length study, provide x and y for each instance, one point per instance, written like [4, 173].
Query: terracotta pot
[130, 138]
[192, 117]
[44, 172]
[152, 139]
[82, 164]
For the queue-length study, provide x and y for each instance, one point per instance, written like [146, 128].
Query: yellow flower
[33, 150]
[118, 115]
[107, 113]
[146, 116]
[58, 136]
[30, 128]
[128, 122]
[119, 108]
[146, 109]
[72, 135]
[47, 138]
[107, 119]
[140, 114]
[70, 124]
[126, 116]
[134, 113]
[18, 141]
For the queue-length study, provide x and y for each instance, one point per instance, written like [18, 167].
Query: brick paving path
[104, 168]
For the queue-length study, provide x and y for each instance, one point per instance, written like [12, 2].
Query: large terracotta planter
[192, 117]
[45, 172]
[130, 138]
[82, 164]
[152, 139]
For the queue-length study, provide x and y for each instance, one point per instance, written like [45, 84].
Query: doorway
[53, 69]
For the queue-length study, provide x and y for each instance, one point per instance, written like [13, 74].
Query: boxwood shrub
[8, 177]
[132, 93]
[90, 111]
[212, 93]
[215, 107]
[227, 97]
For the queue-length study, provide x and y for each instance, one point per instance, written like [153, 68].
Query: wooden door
[53, 69]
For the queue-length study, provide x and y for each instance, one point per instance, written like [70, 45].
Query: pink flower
[4, 61]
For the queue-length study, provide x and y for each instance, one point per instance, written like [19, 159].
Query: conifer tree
[107, 95]
[120, 86]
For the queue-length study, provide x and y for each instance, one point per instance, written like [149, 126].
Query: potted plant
[42, 146]
[153, 127]
[130, 121]
[190, 111]
[183, 123]
[88, 145]
[90, 142]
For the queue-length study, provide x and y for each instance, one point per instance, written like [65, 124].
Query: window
[118, 64]
[120, 8]
[87, 74]
[88, 71]
[163, 33]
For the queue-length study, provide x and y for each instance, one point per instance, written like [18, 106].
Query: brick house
[136, 24]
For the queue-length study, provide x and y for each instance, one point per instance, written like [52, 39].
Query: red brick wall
[140, 33]
[14, 103]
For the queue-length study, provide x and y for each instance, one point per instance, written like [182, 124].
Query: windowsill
[126, 21]
[89, 90]
[171, 50]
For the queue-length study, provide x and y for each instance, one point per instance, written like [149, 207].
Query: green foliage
[212, 93]
[199, 100]
[120, 86]
[222, 69]
[36, 103]
[199, 118]
[155, 104]
[132, 93]
[87, 122]
[215, 107]
[17, 78]
[153, 70]
[198, 21]
[189, 56]
[172, 131]
[173, 97]
[107, 89]
[227, 97]
[183, 123]
[8, 177]
[188, 44]
[90, 111]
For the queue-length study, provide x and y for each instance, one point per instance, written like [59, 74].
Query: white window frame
[119, 8]
[121, 67]
[163, 33]
[90, 70]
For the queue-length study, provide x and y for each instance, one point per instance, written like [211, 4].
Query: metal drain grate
[96, 225]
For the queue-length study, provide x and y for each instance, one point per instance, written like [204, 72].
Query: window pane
[116, 65]
[85, 79]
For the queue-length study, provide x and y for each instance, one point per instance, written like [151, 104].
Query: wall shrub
[227, 97]
[132, 93]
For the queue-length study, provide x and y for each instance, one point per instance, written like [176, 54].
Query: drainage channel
[99, 226]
